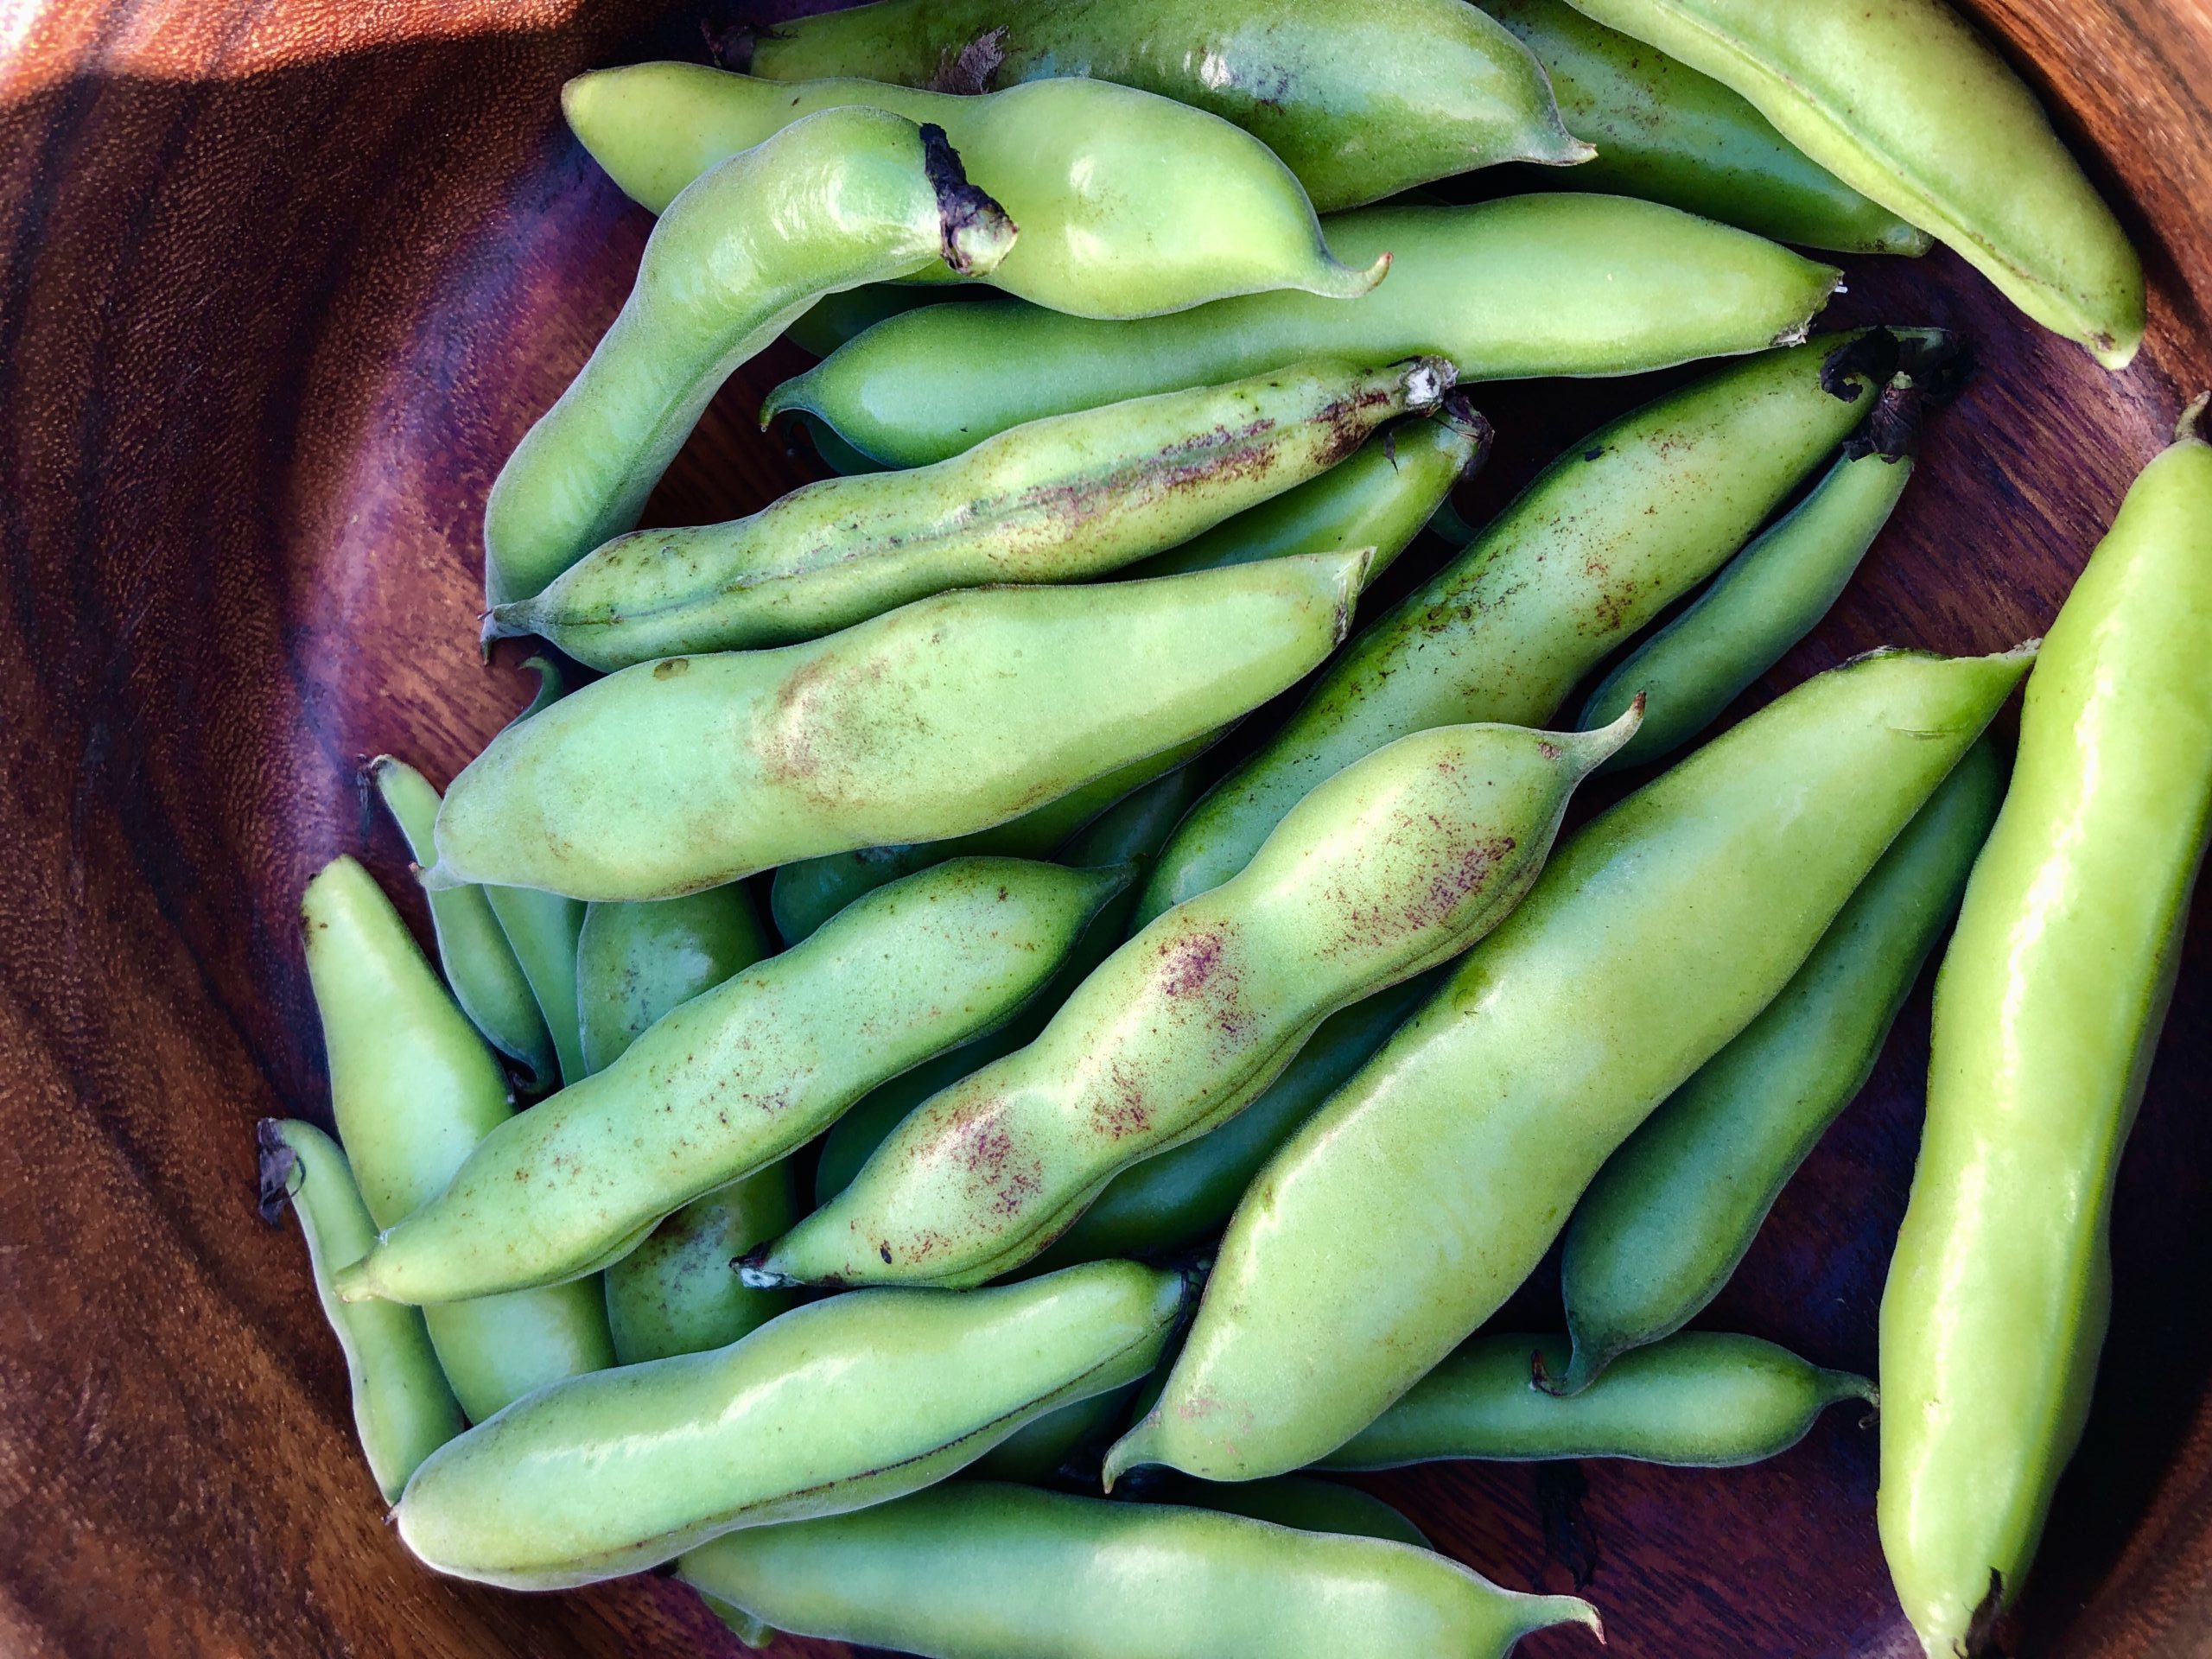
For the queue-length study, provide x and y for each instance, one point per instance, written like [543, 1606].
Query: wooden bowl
[283, 283]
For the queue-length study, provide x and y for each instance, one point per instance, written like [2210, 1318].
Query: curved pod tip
[2190, 427]
[1545, 1612]
[1601, 743]
[1339, 281]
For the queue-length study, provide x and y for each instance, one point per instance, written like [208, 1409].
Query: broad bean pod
[1663, 1228]
[837, 1406]
[1060, 499]
[737, 1078]
[944, 717]
[1903, 100]
[2048, 1008]
[972, 1570]
[846, 197]
[1518, 289]
[1129, 204]
[1298, 1502]
[1405, 1211]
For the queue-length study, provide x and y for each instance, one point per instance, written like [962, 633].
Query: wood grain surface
[281, 283]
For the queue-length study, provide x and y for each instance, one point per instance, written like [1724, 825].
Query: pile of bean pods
[1092, 1134]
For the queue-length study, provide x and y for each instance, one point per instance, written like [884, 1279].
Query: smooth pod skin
[1663, 1228]
[1667, 133]
[1129, 204]
[1904, 101]
[414, 1090]
[1519, 289]
[1296, 1500]
[944, 717]
[1060, 499]
[837, 1406]
[403, 1409]
[636, 961]
[1362, 99]
[738, 1076]
[472, 949]
[2046, 1010]
[848, 196]
[972, 1570]
[1621, 524]
[1406, 1212]
[1395, 864]
[1768, 598]
[1701, 1400]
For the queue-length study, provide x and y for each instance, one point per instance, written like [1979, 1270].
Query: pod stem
[279, 1168]
[2188, 428]
[975, 232]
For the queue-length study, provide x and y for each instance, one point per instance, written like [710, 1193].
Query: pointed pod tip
[1593, 748]
[2190, 427]
[353, 1282]
[1336, 280]
[1545, 1612]
[1127, 1453]
[754, 1272]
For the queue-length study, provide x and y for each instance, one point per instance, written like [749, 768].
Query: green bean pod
[944, 717]
[1398, 863]
[737, 1078]
[414, 1090]
[1061, 499]
[846, 197]
[636, 961]
[1667, 133]
[1298, 1502]
[472, 949]
[403, 1409]
[972, 1570]
[1129, 204]
[1036, 1452]
[1131, 833]
[1905, 101]
[1408, 1208]
[1517, 289]
[2047, 1009]
[1701, 1400]
[1619, 525]
[1362, 99]
[1765, 601]
[839, 1405]
[1663, 1228]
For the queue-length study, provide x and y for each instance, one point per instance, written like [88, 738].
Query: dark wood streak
[282, 283]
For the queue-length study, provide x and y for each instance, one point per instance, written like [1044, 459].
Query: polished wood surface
[280, 282]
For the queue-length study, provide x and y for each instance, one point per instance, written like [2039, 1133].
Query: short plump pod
[414, 1090]
[1902, 99]
[974, 1570]
[845, 197]
[944, 717]
[1703, 1398]
[1129, 204]
[1060, 499]
[1362, 99]
[1522, 288]
[1667, 133]
[1768, 598]
[841, 1404]
[738, 1077]
[1395, 864]
[2047, 1008]
[1298, 1502]
[1663, 1226]
[1624, 522]
[472, 949]
[403, 1408]
[1405, 1210]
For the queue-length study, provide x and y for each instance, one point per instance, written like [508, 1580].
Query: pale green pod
[944, 717]
[1518, 289]
[1661, 1229]
[1362, 99]
[1408, 1208]
[1620, 524]
[1296, 1501]
[1701, 1400]
[480, 964]
[1667, 133]
[1398, 863]
[737, 1078]
[402, 1408]
[1035, 1452]
[636, 961]
[1903, 100]
[1128, 204]
[846, 197]
[1061, 499]
[974, 1570]
[837, 1406]
[414, 1090]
